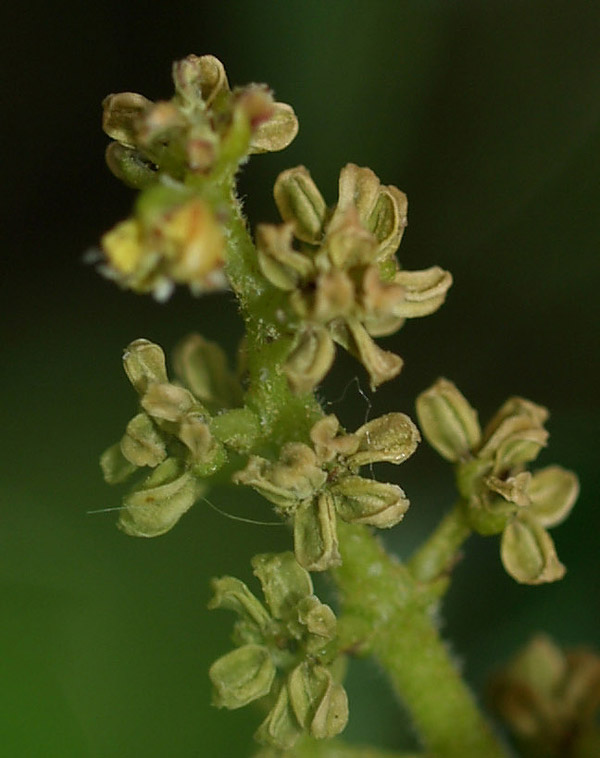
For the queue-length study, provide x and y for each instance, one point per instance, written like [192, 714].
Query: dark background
[488, 115]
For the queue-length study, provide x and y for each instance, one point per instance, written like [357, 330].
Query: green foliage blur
[487, 114]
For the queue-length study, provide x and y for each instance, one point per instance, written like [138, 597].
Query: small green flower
[291, 637]
[549, 698]
[172, 436]
[499, 494]
[344, 283]
[313, 486]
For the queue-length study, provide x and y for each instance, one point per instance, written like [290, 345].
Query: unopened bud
[315, 534]
[167, 402]
[448, 421]
[144, 364]
[320, 704]
[277, 132]
[199, 79]
[243, 675]
[553, 492]
[392, 437]
[311, 359]
[142, 443]
[528, 553]
[300, 203]
[121, 115]
[366, 501]
[162, 499]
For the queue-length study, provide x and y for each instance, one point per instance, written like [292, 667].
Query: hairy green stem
[267, 345]
[436, 558]
[385, 615]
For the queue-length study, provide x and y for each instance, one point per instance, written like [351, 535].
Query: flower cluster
[177, 151]
[499, 494]
[174, 434]
[313, 485]
[550, 699]
[292, 635]
[339, 267]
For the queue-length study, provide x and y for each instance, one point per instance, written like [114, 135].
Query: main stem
[386, 614]
[385, 610]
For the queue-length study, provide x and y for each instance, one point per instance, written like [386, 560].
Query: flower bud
[202, 366]
[381, 210]
[199, 79]
[448, 421]
[392, 437]
[121, 115]
[310, 360]
[366, 501]
[300, 203]
[144, 364]
[281, 728]
[277, 132]
[553, 492]
[320, 705]
[142, 444]
[528, 553]
[243, 675]
[284, 582]
[167, 402]
[315, 534]
[161, 500]
[233, 595]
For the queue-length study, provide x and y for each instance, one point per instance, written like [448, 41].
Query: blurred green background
[488, 115]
